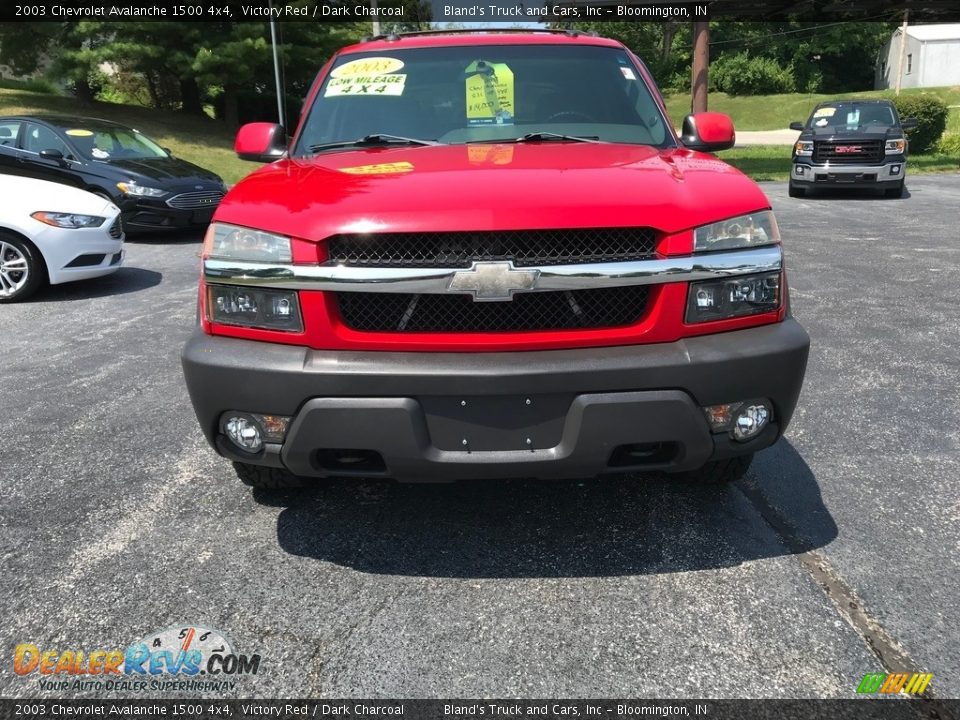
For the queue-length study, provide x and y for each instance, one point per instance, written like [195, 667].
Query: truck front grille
[865, 152]
[527, 312]
[523, 247]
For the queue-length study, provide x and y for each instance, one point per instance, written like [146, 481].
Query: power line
[755, 41]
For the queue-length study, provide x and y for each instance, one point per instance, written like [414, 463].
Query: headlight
[753, 230]
[131, 188]
[68, 220]
[254, 307]
[733, 297]
[803, 147]
[895, 147]
[230, 242]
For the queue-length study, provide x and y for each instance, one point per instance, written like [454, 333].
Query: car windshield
[106, 142]
[483, 93]
[852, 116]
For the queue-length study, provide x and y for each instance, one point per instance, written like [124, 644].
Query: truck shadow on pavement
[627, 525]
[123, 281]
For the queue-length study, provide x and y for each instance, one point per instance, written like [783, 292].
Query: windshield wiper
[541, 136]
[374, 140]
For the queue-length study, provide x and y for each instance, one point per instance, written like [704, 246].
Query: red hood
[489, 187]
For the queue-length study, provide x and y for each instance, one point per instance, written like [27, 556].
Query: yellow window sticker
[825, 112]
[380, 169]
[489, 88]
[367, 66]
[77, 132]
[366, 85]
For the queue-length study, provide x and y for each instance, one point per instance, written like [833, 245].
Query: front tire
[266, 478]
[21, 268]
[894, 192]
[795, 191]
[720, 472]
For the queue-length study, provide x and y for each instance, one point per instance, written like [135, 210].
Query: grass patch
[772, 162]
[776, 112]
[203, 141]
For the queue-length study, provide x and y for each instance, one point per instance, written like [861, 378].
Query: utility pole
[276, 67]
[903, 49]
[701, 64]
[375, 23]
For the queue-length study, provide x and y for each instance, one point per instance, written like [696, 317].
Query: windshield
[852, 116]
[484, 93]
[112, 142]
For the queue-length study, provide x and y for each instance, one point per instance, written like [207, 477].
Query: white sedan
[55, 234]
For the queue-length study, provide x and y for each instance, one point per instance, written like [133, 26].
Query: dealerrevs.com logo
[187, 658]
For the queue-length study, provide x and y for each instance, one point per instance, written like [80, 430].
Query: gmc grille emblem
[848, 149]
[493, 281]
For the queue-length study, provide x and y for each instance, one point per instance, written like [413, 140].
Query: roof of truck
[445, 38]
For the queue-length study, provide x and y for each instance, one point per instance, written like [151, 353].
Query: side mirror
[54, 156]
[908, 123]
[168, 151]
[260, 142]
[796, 125]
[708, 131]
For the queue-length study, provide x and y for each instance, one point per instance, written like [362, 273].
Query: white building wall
[941, 63]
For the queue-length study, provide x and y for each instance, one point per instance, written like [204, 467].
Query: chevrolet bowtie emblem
[491, 281]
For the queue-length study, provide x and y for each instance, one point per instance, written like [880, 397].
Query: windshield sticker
[825, 112]
[367, 66]
[79, 133]
[366, 85]
[380, 169]
[853, 117]
[489, 89]
[822, 122]
[628, 73]
[100, 154]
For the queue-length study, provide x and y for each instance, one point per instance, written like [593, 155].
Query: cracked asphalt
[838, 555]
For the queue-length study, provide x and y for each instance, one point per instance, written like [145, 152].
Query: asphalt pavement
[838, 555]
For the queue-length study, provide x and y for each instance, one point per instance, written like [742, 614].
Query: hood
[490, 187]
[831, 134]
[168, 171]
[29, 195]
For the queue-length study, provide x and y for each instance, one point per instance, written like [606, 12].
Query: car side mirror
[795, 125]
[261, 142]
[168, 151]
[908, 123]
[708, 131]
[54, 156]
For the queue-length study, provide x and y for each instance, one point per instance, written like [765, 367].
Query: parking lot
[838, 555]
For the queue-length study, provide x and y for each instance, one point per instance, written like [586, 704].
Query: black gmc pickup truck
[858, 143]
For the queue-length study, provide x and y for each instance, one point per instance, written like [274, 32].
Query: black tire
[720, 472]
[16, 252]
[795, 190]
[894, 192]
[267, 478]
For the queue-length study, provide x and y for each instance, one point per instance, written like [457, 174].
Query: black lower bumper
[440, 416]
[154, 215]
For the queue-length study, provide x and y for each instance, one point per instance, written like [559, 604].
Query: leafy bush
[745, 75]
[949, 144]
[931, 114]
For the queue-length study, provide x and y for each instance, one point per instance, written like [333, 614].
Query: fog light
[743, 420]
[750, 421]
[799, 169]
[244, 433]
[894, 169]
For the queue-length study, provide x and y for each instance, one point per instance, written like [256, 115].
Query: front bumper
[550, 414]
[888, 174]
[148, 214]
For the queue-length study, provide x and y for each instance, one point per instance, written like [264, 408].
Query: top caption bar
[488, 11]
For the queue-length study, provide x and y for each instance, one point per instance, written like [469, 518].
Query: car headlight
[733, 297]
[131, 188]
[254, 307]
[68, 220]
[803, 147]
[895, 147]
[231, 242]
[753, 230]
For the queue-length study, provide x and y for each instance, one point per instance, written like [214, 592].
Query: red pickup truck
[489, 254]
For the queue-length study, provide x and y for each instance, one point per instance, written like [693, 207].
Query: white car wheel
[18, 269]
